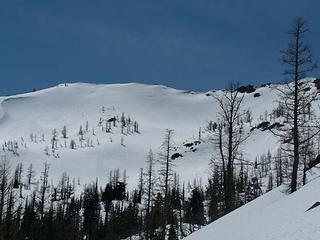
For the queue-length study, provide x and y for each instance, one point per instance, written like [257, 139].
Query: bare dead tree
[296, 97]
[30, 176]
[166, 163]
[149, 180]
[228, 138]
[5, 186]
[165, 169]
[149, 183]
[43, 188]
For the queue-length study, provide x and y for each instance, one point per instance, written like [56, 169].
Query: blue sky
[197, 45]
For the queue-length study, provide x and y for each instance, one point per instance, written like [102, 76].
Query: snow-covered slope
[154, 107]
[273, 216]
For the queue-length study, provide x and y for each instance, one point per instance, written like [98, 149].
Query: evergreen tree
[195, 209]
[5, 186]
[91, 211]
[295, 100]
[43, 189]
[149, 183]
[64, 132]
[172, 235]
[165, 170]
[214, 195]
[29, 220]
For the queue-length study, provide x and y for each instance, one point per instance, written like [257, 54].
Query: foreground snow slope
[155, 107]
[273, 216]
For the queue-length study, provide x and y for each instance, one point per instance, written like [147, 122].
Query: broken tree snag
[317, 204]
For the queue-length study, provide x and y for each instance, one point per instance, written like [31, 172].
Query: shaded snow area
[273, 216]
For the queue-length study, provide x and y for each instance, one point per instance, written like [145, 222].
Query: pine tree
[91, 211]
[30, 176]
[172, 235]
[72, 144]
[298, 61]
[73, 219]
[270, 182]
[149, 183]
[214, 195]
[4, 187]
[81, 133]
[43, 189]
[8, 224]
[195, 209]
[166, 165]
[54, 139]
[279, 167]
[64, 132]
[29, 220]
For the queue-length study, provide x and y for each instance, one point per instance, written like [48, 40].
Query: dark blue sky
[197, 45]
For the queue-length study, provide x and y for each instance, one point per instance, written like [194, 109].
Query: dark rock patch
[176, 155]
[263, 125]
[246, 89]
[266, 126]
[317, 83]
[196, 142]
[113, 119]
[188, 144]
[274, 125]
[307, 89]
[287, 140]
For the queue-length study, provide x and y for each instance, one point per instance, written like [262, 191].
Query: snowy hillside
[28, 121]
[273, 216]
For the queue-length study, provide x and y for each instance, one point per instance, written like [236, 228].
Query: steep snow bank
[273, 216]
